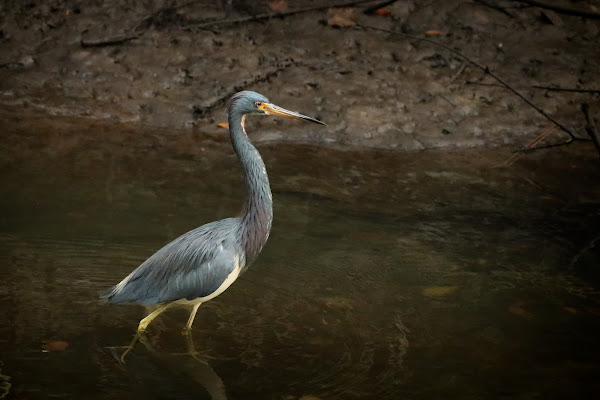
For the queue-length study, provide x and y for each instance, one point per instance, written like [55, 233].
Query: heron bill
[272, 109]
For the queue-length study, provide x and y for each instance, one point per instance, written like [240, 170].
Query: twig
[562, 10]
[483, 84]
[580, 253]
[12, 65]
[201, 111]
[558, 89]
[590, 126]
[375, 7]
[270, 15]
[484, 69]
[138, 30]
[542, 136]
[547, 146]
[531, 146]
[495, 7]
[460, 71]
[110, 41]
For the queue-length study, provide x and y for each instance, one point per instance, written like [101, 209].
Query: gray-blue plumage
[203, 262]
[193, 265]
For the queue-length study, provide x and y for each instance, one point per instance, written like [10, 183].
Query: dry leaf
[68, 12]
[433, 32]
[342, 303]
[223, 125]
[571, 310]
[55, 345]
[437, 292]
[517, 309]
[341, 17]
[384, 12]
[278, 5]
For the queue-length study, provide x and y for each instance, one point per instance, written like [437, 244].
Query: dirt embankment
[161, 65]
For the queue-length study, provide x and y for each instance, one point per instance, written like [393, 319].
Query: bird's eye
[258, 104]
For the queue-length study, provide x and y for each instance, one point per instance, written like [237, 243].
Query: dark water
[387, 275]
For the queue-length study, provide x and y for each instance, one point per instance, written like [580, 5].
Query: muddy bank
[374, 89]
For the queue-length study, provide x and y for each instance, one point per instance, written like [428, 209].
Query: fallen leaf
[437, 292]
[278, 5]
[517, 309]
[384, 12]
[432, 32]
[341, 17]
[68, 12]
[223, 125]
[55, 345]
[570, 310]
[342, 303]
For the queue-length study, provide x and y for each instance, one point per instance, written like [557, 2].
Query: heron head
[248, 102]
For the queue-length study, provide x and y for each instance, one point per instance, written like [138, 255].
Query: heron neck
[257, 213]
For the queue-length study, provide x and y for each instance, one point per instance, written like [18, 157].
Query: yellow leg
[188, 326]
[142, 327]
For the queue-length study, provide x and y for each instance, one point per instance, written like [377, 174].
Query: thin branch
[149, 19]
[202, 110]
[558, 89]
[375, 7]
[532, 146]
[138, 30]
[109, 41]
[12, 65]
[483, 84]
[590, 126]
[562, 10]
[484, 69]
[495, 7]
[591, 244]
[270, 15]
[546, 146]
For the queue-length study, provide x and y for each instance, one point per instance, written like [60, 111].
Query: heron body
[202, 263]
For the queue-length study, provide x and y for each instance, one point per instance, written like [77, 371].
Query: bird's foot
[127, 348]
[119, 352]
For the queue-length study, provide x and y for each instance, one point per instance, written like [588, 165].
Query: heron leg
[188, 326]
[142, 327]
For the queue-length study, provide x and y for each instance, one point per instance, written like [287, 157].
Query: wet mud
[174, 65]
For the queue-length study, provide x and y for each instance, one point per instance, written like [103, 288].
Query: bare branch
[108, 41]
[590, 126]
[264, 16]
[558, 89]
[495, 7]
[562, 10]
[591, 244]
[201, 111]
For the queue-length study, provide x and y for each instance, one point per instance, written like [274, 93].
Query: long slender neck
[257, 214]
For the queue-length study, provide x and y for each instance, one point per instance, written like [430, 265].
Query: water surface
[386, 276]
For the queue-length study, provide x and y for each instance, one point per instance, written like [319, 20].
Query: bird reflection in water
[159, 374]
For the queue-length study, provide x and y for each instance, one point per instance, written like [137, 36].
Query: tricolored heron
[202, 263]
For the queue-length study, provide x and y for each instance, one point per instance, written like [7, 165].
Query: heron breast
[233, 275]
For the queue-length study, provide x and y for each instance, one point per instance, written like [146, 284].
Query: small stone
[27, 61]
